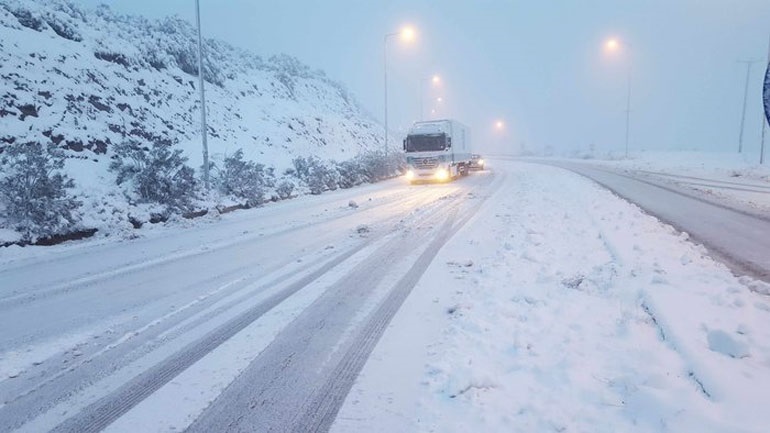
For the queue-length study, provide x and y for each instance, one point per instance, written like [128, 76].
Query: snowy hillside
[86, 80]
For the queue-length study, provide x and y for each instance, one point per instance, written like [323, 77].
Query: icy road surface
[526, 298]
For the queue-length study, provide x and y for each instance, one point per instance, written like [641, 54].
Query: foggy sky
[538, 65]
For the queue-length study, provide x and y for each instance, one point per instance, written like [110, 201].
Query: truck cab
[437, 150]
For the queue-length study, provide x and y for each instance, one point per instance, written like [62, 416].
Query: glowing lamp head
[436, 80]
[612, 45]
[499, 125]
[408, 34]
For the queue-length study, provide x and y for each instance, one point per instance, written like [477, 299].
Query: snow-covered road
[95, 335]
[526, 298]
[740, 238]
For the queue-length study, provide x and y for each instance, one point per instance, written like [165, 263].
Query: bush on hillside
[243, 179]
[158, 174]
[284, 189]
[318, 176]
[33, 191]
[350, 173]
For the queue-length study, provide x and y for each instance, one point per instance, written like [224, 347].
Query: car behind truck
[437, 150]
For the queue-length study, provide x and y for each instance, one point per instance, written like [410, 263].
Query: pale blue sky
[538, 65]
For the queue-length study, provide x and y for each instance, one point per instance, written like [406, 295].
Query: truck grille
[425, 163]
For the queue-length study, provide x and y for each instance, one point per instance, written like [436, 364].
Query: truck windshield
[425, 143]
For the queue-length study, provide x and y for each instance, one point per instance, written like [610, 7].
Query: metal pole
[203, 99]
[628, 105]
[745, 98]
[422, 99]
[764, 117]
[385, 63]
[764, 124]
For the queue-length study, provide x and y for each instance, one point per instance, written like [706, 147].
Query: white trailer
[437, 150]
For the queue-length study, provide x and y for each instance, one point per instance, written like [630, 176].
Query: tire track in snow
[41, 367]
[285, 389]
[101, 413]
[645, 303]
[31, 295]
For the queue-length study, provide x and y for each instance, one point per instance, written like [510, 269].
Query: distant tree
[33, 191]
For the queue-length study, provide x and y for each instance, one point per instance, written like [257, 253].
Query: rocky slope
[87, 79]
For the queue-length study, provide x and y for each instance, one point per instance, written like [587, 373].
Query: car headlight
[481, 162]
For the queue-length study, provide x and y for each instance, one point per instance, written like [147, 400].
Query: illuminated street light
[613, 45]
[439, 99]
[499, 125]
[407, 34]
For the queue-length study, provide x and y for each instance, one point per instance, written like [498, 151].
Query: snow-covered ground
[563, 308]
[557, 307]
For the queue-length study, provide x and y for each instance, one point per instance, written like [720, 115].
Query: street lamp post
[407, 33]
[614, 45]
[203, 98]
[748, 63]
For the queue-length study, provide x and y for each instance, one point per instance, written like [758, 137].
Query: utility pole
[748, 63]
[203, 99]
[628, 105]
[765, 116]
[385, 70]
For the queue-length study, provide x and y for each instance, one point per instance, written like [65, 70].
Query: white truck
[437, 150]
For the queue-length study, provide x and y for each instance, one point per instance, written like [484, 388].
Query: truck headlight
[409, 174]
[442, 174]
[481, 162]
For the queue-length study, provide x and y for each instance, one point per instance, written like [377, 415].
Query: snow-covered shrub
[301, 167]
[158, 174]
[284, 189]
[33, 191]
[315, 174]
[26, 18]
[63, 28]
[373, 166]
[243, 179]
[350, 173]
